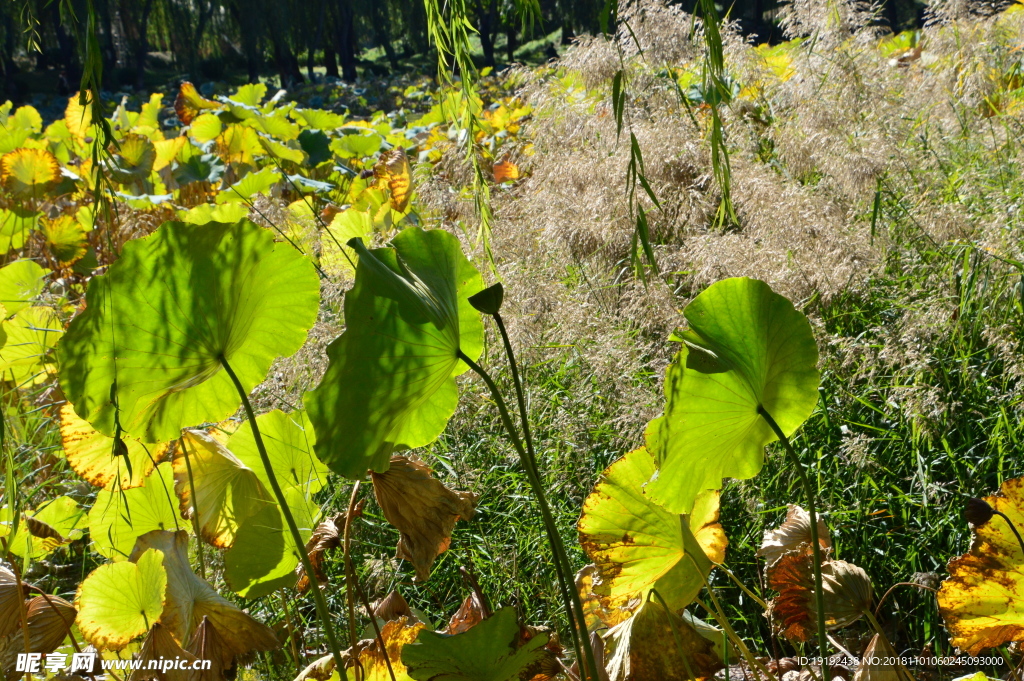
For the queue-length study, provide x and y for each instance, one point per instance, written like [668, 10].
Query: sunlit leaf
[27, 355]
[118, 517]
[505, 171]
[66, 239]
[78, 117]
[16, 224]
[982, 602]
[26, 117]
[250, 185]
[57, 522]
[209, 212]
[289, 440]
[91, 454]
[638, 545]
[120, 601]
[175, 304]
[393, 171]
[20, 283]
[336, 258]
[134, 161]
[227, 492]
[205, 127]
[747, 347]
[29, 172]
[189, 103]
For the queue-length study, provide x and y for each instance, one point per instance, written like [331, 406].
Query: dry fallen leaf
[846, 587]
[792, 535]
[160, 645]
[422, 509]
[873, 665]
[505, 171]
[982, 602]
[326, 536]
[392, 607]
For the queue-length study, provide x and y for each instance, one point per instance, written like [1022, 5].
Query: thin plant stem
[812, 512]
[741, 585]
[583, 637]
[893, 588]
[675, 633]
[318, 598]
[292, 640]
[574, 609]
[195, 507]
[373, 620]
[350, 586]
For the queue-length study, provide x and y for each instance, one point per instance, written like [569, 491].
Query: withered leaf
[327, 535]
[392, 607]
[49, 620]
[392, 170]
[470, 613]
[422, 509]
[793, 535]
[160, 645]
[846, 587]
[11, 599]
[873, 665]
[207, 644]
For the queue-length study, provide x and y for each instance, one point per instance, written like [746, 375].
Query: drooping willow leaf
[158, 323]
[747, 347]
[391, 382]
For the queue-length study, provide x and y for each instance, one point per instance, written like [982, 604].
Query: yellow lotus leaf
[119, 601]
[66, 239]
[190, 600]
[29, 171]
[602, 611]
[422, 509]
[189, 103]
[982, 602]
[239, 144]
[166, 151]
[78, 117]
[637, 545]
[393, 171]
[396, 635]
[57, 522]
[93, 455]
[227, 492]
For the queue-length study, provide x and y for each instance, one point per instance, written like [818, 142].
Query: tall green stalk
[321, 603]
[571, 599]
[812, 512]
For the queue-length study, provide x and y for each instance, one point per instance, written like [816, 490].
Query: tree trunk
[510, 37]
[382, 32]
[330, 60]
[345, 39]
[485, 21]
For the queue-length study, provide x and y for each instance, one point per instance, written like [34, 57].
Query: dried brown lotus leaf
[981, 602]
[191, 602]
[846, 587]
[792, 535]
[11, 598]
[40, 530]
[49, 620]
[392, 607]
[470, 613]
[326, 536]
[422, 509]
[207, 644]
[393, 171]
[320, 669]
[644, 648]
[160, 645]
[874, 662]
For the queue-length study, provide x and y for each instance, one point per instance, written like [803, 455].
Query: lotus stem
[195, 507]
[1013, 528]
[321, 604]
[350, 598]
[812, 512]
[574, 609]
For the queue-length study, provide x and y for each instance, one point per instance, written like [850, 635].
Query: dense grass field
[875, 181]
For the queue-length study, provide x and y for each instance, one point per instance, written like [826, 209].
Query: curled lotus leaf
[390, 384]
[149, 349]
[422, 509]
[637, 545]
[747, 349]
[847, 594]
[793, 535]
[982, 602]
[191, 600]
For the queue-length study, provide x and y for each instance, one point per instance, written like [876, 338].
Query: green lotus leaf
[31, 335]
[637, 545]
[486, 652]
[289, 439]
[199, 168]
[119, 517]
[58, 522]
[337, 259]
[16, 224]
[158, 323]
[209, 212]
[747, 347]
[120, 601]
[263, 557]
[250, 185]
[20, 282]
[391, 381]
